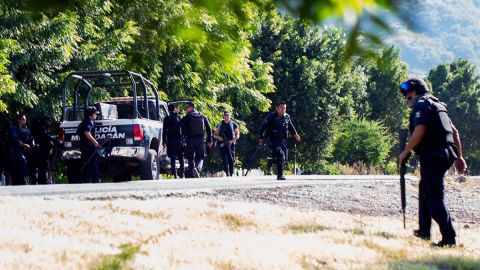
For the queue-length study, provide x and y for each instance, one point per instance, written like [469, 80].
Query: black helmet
[414, 84]
[91, 110]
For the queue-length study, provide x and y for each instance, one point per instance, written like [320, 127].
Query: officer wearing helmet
[436, 141]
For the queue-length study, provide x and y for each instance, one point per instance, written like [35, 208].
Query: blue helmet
[414, 84]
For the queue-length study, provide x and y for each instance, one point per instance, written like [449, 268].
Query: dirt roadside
[258, 228]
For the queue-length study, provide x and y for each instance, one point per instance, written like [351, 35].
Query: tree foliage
[360, 140]
[458, 85]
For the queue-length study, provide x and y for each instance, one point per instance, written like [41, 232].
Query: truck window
[163, 113]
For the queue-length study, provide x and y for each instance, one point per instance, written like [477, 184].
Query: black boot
[280, 166]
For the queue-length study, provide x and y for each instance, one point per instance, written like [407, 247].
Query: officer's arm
[263, 128]
[460, 164]
[89, 136]
[209, 129]
[417, 136]
[15, 138]
[291, 128]
[164, 133]
[216, 135]
[237, 135]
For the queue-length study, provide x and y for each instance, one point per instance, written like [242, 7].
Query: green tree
[309, 75]
[361, 140]
[458, 85]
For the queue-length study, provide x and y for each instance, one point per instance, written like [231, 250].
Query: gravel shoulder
[370, 198]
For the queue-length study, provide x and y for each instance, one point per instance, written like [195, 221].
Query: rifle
[94, 153]
[403, 133]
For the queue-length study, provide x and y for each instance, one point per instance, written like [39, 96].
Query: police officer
[194, 125]
[276, 126]
[227, 135]
[173, 140]
[88, 146]
[437, 142]
[45, 140]
[21, 140]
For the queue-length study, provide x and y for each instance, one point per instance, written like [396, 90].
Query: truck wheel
[149, 169]
[73, 171]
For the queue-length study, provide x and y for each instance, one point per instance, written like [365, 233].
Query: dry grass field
[173, 233]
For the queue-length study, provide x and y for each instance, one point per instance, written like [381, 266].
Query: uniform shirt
[227, 130]
[171, 127]
[20, 135]
[86, 125]
[194, 124]
[277, 127]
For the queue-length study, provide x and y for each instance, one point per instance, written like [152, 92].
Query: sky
[448, 30]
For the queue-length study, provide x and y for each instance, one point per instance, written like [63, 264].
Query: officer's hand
[97, 145]
[261, 141]
[164, 147]
[297, 137]
[26, 146]
[210, 144]
[402, 157]
[461, 165]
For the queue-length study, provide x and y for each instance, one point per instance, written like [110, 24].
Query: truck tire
[149, 169]
[73, 171]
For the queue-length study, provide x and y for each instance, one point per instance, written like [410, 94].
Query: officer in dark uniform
[194, 125]
[45, 140]
[227, 135]
[437, 142]
[21, 140]
[276, 126]
[5, 153]
[173, 140]
[88, 146]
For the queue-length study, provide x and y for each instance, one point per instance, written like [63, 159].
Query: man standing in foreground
[437, 142]
[88, 146]
[276, 126]
[173, 140]
[194, 125]
[227, 135]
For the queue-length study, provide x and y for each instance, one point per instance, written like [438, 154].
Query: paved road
[149, 189]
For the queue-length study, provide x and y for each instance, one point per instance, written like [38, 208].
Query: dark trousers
[90, 171]
[228, 157]
[175, 151]
[5, 165]
[279, 154]
[195, 153]
[433, 166]
[19, 167]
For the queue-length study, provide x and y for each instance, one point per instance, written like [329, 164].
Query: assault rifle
[94, 153]
[403, 133]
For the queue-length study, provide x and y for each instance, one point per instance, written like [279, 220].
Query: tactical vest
[173, 125]
[439, 132]
[279, 130]
[196, 126]
[226, 130]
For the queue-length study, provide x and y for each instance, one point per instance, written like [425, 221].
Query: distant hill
[450, 29]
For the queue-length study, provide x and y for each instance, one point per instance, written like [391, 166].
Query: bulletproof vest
[226, 130]
[196, 125]
[279, 130]
[173, 125]
[439, 132]
[25, 135]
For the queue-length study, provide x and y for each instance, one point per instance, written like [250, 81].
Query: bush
[363, 141]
